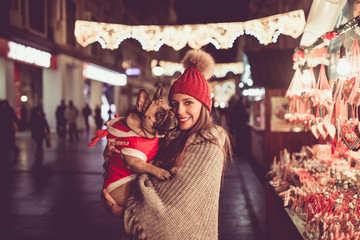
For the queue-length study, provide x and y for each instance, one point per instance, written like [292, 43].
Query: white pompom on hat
[199, 67]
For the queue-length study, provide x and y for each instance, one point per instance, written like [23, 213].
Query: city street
[57, 197]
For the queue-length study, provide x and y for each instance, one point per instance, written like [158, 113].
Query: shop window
[70, 20]
[15, 5]
[16, 13]
[36, 17]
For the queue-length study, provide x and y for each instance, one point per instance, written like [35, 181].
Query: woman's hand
[110, 205]
[111, 148]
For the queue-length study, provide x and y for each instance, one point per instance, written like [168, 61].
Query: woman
[185, 207]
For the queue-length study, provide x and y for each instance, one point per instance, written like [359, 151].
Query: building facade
[41, 63]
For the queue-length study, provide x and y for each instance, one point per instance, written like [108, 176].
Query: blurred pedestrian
[24, 117]
[98, 119]
[7, 130]
[86, 112]
[61, 120]
[110, 114]
[39, 128]
[71, 115]
[238, 118]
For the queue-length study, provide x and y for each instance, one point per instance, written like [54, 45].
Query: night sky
[211, 11]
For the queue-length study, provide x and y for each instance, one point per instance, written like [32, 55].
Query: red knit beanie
[199, 67]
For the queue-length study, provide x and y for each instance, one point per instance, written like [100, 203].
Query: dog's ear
[143, 100]
[158, 94]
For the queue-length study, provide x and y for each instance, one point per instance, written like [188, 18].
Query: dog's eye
[160, 114]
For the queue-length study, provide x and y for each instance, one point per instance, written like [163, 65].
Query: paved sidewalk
[58, 197]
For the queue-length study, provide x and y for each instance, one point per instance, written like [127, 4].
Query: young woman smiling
[187, 205]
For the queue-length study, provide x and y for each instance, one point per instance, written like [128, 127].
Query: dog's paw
[162, 174]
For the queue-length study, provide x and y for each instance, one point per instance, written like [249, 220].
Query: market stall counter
[313, 194]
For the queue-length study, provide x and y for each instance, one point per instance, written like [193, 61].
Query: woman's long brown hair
[170, 156]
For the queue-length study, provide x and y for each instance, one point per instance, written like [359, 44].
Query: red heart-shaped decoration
[350, 134]
[348, 88]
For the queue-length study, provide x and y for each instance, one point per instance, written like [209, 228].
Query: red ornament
[299, 55]
[330, 36]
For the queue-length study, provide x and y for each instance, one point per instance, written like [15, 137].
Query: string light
[223, 91]
[343, 66]
[306, 76]
[222, 35]
[221, 69]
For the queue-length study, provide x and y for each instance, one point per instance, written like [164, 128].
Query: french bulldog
[142, 128]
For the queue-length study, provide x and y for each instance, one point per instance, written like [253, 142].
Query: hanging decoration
[327, 109]
[333, 106]
[320, 184]
[220, 71]
[222, 91]
[221, 35]
[351, 81]
[323, 105]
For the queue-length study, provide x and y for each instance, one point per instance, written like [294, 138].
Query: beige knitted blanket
[185, 207]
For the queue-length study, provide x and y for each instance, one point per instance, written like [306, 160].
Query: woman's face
[186, 109]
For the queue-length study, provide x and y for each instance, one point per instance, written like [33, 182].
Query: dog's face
[156, 115]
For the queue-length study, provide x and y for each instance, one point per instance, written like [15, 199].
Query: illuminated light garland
[222, 35]
[276, 35]
[221, 69]
[223, 91]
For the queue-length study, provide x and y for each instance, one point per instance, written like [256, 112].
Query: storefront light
[29, 55]
[132, 71]
[101, 74]
[23, 98]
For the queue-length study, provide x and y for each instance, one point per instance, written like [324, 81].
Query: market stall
[315, 190]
